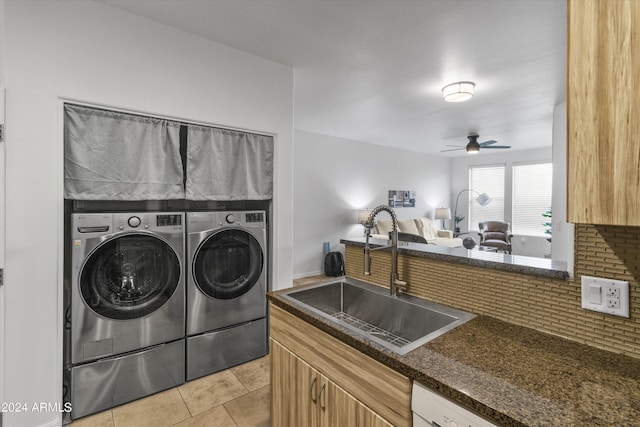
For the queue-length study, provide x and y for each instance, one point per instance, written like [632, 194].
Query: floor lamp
[482, 199]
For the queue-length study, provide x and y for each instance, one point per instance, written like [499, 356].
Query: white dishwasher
[432, 410]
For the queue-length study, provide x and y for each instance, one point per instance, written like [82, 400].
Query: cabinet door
[302, 397]
[603, 112]
[339, 409]
[294, 389]
[353, 371]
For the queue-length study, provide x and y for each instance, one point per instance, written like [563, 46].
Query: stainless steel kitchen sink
[400, 324]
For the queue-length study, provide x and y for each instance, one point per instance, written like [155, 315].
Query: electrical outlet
[613, 303]
[605, 295]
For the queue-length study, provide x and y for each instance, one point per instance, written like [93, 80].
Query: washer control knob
[452, 424]
[231, 219]
[134, 221]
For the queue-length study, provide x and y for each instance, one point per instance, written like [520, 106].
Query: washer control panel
[168, 220]
[99, 224]
[148, 221]
[134, 221]
[128, 221]
[255, 216]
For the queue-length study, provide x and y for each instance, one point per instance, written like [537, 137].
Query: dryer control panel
[206, 221]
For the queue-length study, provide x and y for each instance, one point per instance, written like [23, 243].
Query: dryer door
[129, 276]
[228, 264]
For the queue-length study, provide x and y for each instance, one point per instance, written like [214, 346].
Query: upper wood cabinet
[603, 112]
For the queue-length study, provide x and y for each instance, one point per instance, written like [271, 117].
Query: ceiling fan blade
[498, 146]
[453, 149]
[491, 141]
[449, 145]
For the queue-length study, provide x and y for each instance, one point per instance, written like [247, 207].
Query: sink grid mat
[371, 329]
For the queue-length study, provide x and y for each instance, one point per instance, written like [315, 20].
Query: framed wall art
[402, 199]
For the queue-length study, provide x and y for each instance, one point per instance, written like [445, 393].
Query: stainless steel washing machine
[127, 307]
[226, 290]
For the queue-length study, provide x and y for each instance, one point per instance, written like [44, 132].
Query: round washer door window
[228, 264]
[130, 276]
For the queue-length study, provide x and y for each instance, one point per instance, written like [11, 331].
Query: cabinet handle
[322, 403]
[312, 390]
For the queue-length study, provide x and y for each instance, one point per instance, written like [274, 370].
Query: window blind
[490, 180]
[532, 189]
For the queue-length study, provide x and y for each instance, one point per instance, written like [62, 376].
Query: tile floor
[237, 397]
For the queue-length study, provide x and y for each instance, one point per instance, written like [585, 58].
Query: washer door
[228, 264]
[130, 276]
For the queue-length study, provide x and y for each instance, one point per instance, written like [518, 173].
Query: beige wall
[548, 305]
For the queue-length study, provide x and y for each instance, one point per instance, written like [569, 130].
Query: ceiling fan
[474, 146]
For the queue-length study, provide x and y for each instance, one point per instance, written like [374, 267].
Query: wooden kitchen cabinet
[318, 381]
[292, 383]
[342, 409]
[603, 112]
[302, 396]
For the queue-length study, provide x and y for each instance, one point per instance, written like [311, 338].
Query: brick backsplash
[548, 305]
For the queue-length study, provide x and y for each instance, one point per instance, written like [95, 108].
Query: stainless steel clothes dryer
[127, 307]
[226, 290]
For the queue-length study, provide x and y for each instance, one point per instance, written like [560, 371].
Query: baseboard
[308, 274]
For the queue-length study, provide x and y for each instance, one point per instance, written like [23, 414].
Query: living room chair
[496, 234]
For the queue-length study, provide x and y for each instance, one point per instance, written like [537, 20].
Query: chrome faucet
[395, 284]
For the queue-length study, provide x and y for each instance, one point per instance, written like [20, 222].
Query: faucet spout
[395, 284]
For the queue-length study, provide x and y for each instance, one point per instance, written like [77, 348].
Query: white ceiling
[372, 70]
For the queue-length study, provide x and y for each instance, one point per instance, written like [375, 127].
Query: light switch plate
[595, 294]
[605, 295]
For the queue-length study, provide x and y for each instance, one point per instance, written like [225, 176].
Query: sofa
[422, 227]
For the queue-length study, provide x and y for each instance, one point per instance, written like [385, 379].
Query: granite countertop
[512, 375]
[498, 261]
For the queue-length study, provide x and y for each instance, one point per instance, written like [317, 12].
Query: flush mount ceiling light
[458, 91]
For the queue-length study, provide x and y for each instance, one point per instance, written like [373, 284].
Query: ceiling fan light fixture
[473, 147]
[458, 91]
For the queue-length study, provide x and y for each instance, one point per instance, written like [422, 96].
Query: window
[490, 180]
[532, 186]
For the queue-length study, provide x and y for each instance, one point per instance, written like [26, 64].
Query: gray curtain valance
[224, 164]
[117, 156]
